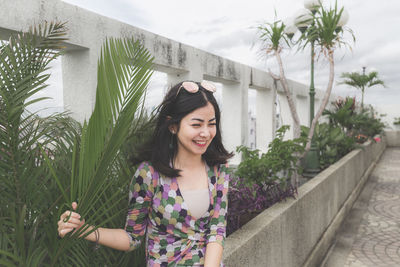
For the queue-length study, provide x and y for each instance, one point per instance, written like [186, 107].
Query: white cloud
[224, 28]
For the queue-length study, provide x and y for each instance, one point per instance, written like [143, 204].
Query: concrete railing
[87, 32]
[298, 232]
[393, 138]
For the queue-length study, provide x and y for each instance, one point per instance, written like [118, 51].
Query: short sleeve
[141, 192]
[218, 220]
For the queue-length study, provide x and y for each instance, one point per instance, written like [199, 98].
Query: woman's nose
[205, 133]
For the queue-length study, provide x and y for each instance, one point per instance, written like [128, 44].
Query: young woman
[178, 195]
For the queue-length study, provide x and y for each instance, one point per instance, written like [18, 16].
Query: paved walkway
[370, 234]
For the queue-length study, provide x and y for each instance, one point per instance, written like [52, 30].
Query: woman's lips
[200, 143]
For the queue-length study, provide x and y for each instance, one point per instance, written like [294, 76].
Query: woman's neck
[183, 161]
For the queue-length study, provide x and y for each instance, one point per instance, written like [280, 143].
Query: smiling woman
[178, 195]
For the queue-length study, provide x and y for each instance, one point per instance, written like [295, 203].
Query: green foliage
[273, 36]
[347, 126]
[361, 81]
[360, 124]
[142, 129]
[84, 163]
[396, 121]
[325, 31]
[27, 201]
[98, 171]
[331, 141]
[277, 165]
[342, 114]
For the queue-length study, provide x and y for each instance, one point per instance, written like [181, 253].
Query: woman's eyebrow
[200, 120]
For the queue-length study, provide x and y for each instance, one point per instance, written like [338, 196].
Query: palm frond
[24, 180]
[98, 179]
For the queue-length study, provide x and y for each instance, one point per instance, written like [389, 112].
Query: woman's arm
[213, 255]
[216, 237]
[141, 192]
[113, 238]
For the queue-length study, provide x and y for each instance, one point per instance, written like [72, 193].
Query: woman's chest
[170, 210]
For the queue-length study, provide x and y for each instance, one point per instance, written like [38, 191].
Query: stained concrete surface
[370, 234]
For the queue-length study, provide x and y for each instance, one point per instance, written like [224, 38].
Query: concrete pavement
[370, 234]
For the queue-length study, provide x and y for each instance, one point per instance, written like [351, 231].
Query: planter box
[299, 232]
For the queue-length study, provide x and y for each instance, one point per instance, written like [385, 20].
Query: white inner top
[197, 201]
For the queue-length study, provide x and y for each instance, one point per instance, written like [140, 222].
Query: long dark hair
[161, 149]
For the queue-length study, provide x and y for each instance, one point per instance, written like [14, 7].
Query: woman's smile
[196, 131]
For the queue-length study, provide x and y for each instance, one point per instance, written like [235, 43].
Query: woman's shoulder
[146, 170]
[221, 171]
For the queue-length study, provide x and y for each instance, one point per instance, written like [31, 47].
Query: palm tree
[46, 163]
[274, 40]
[327, 36]
[361, 81]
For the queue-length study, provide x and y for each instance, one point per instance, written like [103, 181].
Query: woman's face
[197, 130]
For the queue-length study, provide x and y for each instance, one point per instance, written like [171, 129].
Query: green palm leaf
[361, 81]
[26, 190]
[98, 173]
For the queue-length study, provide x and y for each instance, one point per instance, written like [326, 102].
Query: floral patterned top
[174, 236]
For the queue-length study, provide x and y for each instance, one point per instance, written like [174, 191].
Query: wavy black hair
[162, 147]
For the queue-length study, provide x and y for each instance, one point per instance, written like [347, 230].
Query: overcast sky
[227, 28]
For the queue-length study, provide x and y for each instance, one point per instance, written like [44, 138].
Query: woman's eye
[196, 125]
[212, 124]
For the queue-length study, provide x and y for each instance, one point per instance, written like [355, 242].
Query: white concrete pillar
[265, 106]
[235, 114]
[286, 115]
[79, 76]
[195, 72]
[303, 109]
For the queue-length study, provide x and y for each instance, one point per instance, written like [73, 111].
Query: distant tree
[325, 33]
[361, 81]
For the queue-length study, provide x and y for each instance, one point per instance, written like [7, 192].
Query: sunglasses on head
[193, 87]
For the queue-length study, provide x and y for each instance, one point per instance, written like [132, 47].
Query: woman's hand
[69, 221]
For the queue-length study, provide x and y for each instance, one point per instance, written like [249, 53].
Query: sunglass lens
[191, 87]
[208, 86]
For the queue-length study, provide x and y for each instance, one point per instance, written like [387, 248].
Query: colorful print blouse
[174, 236]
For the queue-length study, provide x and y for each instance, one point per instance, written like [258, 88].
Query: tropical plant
[367, 123]
[360, 124]
[274, 39]
[25, 185]
[342, 114]
[361, 81]
[84, 163]
[261, 180]
[325, 33]
[98, 174]
[332, 143]
[246, 201]
[276, 166]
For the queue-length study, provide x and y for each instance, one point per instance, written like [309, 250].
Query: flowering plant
[247, 201]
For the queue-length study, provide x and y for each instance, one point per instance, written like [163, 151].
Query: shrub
[332, 143]
[360, 124]
[246, 201]
[262, 179]
[278, 165]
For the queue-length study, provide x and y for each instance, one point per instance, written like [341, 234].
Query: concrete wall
[87, 32]
[299, 232]
[393, 138]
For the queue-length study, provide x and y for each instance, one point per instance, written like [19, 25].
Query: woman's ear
[172, 128]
